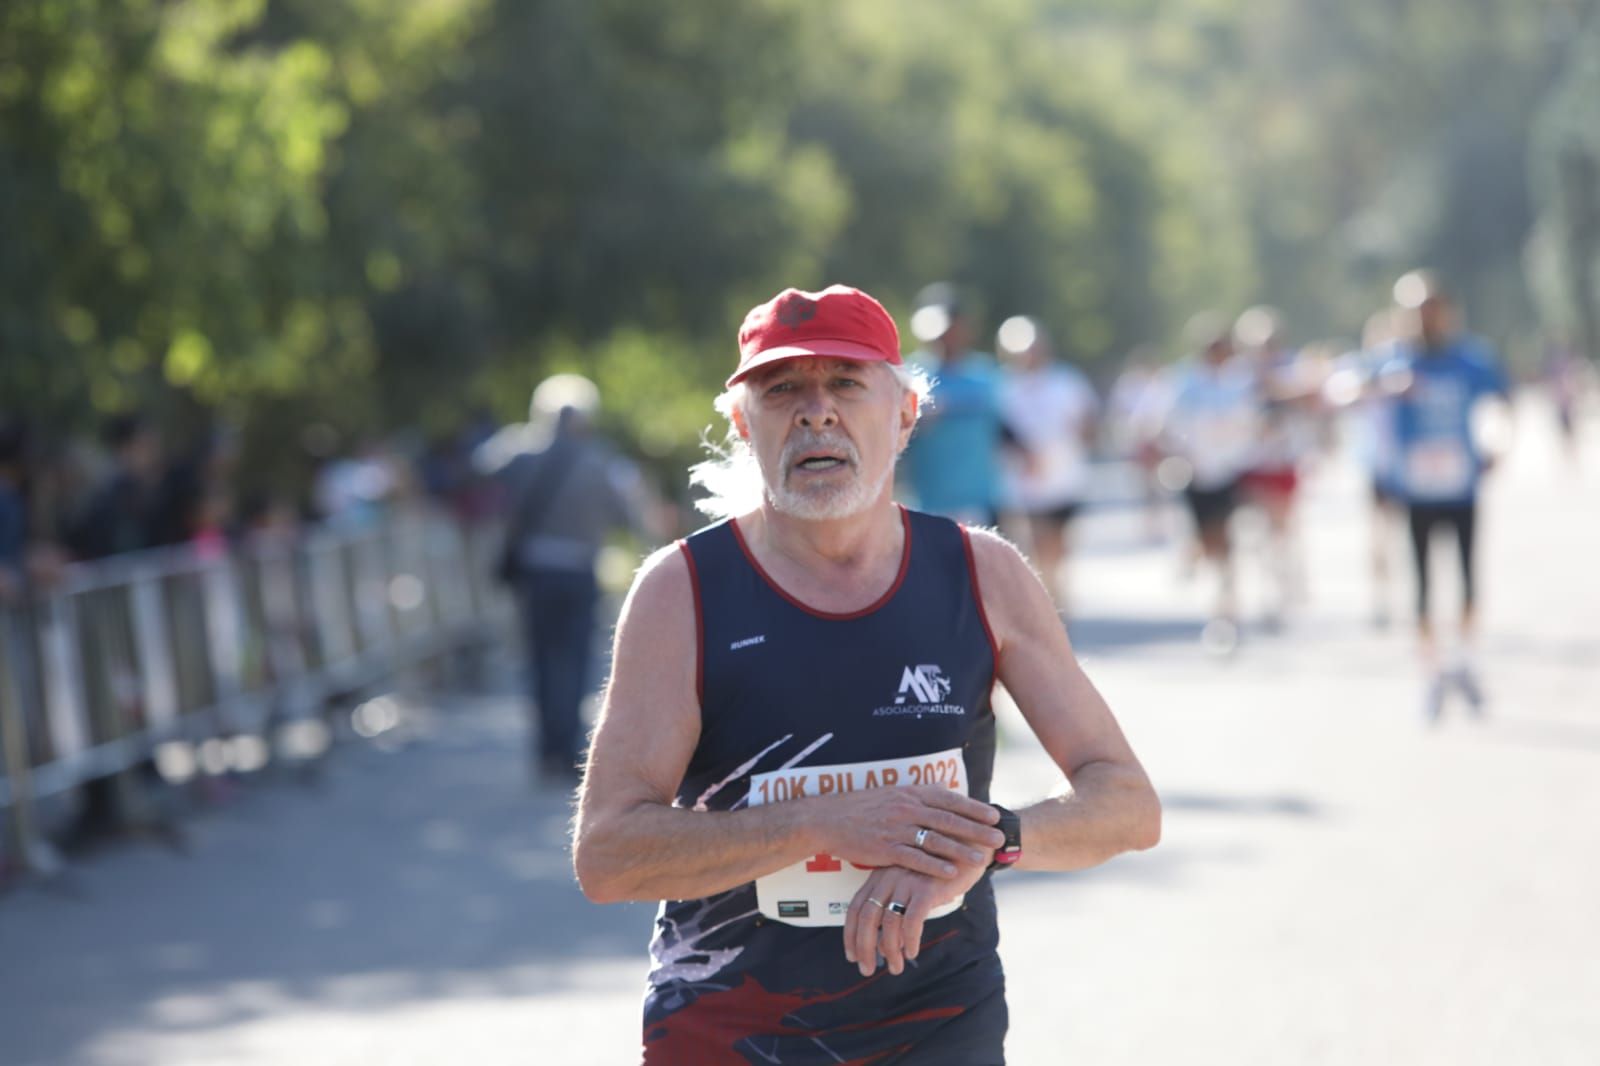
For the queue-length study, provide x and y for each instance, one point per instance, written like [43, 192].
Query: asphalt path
[1338, 882]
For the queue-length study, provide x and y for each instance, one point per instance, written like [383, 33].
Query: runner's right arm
[632, 843]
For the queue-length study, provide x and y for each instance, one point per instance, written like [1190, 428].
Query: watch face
[1010, 824]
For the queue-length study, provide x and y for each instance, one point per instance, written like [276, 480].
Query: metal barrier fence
[224, 662]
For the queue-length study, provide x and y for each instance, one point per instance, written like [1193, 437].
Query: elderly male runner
[797, 742]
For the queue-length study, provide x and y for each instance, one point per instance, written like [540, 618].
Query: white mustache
[817, 442]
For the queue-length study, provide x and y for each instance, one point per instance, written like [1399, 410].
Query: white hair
[561, 392]
[731, 477]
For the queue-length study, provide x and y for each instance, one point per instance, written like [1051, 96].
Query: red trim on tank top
[699, 625]
[905, 564]
[977, 594]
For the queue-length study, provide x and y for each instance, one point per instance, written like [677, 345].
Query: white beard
[825, 502]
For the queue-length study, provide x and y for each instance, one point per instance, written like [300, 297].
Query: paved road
[1337, 883]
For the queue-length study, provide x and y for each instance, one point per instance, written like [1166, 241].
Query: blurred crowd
[1011, 437]
[1233, 423]
[132, 488]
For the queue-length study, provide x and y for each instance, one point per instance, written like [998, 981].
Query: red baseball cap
[839, 321]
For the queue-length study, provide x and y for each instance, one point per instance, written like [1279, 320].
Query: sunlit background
[321, 251]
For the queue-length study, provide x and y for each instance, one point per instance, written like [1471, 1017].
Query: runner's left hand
[870, 930]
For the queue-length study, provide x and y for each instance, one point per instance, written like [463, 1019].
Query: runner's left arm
[1112, 806]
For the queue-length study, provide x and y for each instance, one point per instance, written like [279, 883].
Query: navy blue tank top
[786, 687]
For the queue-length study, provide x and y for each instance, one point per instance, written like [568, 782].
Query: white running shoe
[1464, 680]
[1433, 700]
[1220, 637]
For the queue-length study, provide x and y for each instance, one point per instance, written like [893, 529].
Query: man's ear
[740, 426]
[909, 405]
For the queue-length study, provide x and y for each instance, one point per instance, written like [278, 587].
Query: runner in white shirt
[1211, 431]
[1051, 407]
[1369, 433]
[1289, 394]
[1134, 408]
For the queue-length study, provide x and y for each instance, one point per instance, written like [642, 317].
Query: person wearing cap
[567, 491]
[1437, 386]
[953, 463]
[796, 746]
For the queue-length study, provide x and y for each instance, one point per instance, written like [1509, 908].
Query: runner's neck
[836, 565]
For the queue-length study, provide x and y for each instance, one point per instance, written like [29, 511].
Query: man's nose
[816, 408]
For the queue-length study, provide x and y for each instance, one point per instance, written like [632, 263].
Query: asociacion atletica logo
[923, 690]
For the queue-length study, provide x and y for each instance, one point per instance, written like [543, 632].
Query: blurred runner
[1051, 406]
[1287, 437]
[1134, 408]
[1209, 435]
[953, 463]
[1439, 380]
[1565, 379]
[1370, 424]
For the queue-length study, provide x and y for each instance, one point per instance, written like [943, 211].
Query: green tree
[1564, 253]
[165, 219]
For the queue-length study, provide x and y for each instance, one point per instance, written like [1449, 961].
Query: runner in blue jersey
[796, 746]
[1438, 377]
[953, 462]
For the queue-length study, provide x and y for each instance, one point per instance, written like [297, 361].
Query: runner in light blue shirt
[952, 464]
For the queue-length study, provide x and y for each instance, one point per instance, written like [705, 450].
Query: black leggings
[1461, 517]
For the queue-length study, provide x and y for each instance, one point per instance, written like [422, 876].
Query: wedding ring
[875, 902]
[896, 908]
[922, 838]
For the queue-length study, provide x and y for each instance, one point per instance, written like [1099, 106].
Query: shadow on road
[1291, 806]
[1104, 634]
[411, 874]
[1544, 733]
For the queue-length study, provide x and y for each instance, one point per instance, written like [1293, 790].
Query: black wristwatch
[1011, 825]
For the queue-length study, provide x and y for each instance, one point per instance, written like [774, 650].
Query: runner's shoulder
[1010, 588]
[663, 587]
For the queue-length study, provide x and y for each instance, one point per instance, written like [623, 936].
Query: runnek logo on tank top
[925, 686]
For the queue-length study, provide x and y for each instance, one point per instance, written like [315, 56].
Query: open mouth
[819, 463]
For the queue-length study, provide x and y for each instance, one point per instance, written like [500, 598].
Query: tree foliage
[375, 214]
[1564, 252]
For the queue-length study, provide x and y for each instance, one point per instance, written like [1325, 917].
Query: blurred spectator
[1052, 408]
[269, 518]
[351, 491]
[567, 490]
[213, 522]
[117, 516]
[13, 511]
[449, 474]
[952, 464]
[194, 498]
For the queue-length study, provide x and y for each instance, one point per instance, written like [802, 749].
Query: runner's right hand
[878, 827]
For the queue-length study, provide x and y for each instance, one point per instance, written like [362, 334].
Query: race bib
[1438, 469]
[1220, 444]
[818, 890]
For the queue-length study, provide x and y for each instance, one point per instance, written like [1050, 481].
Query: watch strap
[1010, 824]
